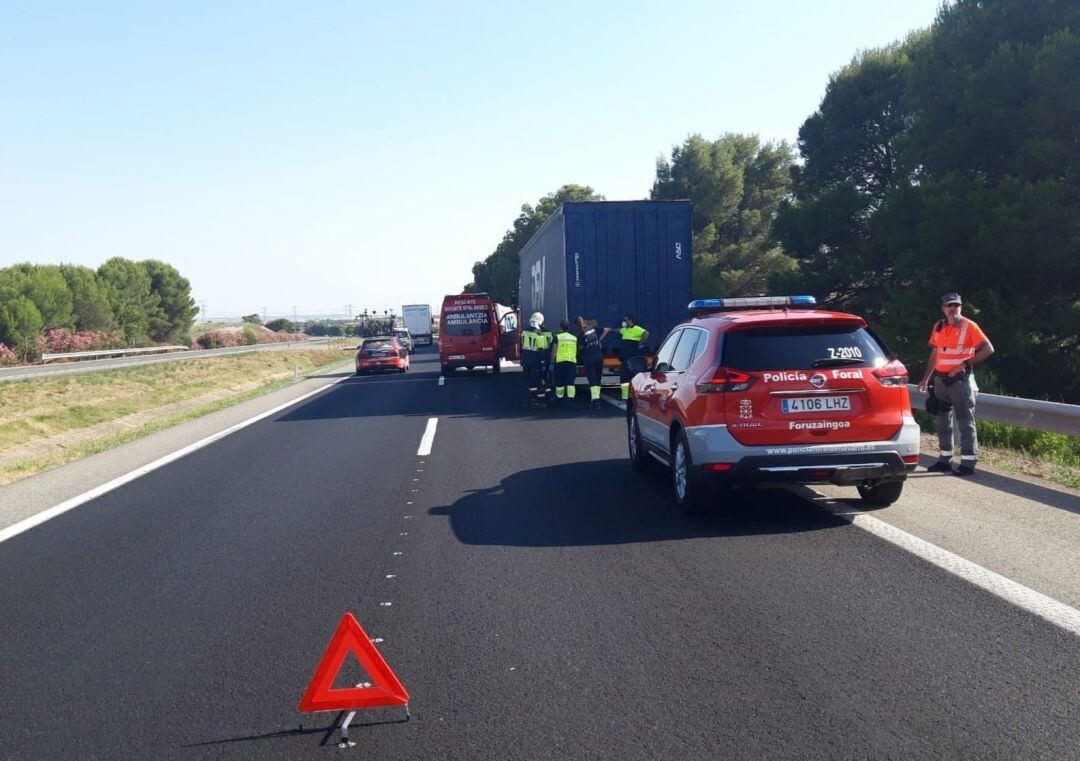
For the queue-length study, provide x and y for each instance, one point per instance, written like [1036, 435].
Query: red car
[381, 353]
[772, 390]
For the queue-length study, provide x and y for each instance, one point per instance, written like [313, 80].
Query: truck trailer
[417, 318]
[603, 259]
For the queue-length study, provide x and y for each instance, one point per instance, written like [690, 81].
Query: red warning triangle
[350, 638]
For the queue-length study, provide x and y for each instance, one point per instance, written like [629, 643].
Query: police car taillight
[891, 374]
[725, 379]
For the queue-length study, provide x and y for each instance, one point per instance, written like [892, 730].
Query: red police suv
[772, 390]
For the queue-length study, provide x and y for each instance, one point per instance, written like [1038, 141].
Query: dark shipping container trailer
[603, 259]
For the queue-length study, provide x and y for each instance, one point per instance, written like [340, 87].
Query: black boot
[941, 466]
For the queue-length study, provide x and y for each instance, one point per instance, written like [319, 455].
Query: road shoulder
[1022, 528]
[32, 495]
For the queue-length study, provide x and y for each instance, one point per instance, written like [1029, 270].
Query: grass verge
[1053, 456]
[85, 414]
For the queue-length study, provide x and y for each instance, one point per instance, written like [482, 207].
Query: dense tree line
[140, 303]
[951, 161]
[946, 161]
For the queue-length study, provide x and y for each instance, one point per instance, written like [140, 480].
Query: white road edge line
[49, 513]
[1048, 608]
[428, 438]
[442, 380]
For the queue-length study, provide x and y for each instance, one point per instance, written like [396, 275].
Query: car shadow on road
[605, 502]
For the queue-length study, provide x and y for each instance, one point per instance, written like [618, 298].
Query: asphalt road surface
[536, 597]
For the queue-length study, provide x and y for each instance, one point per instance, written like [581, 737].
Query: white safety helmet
[536, 320]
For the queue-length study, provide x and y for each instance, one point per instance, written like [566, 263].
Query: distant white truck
[417, 318]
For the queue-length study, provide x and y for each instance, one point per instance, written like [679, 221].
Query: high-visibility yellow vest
[549, 339]
[531, 341]
[632, 334]
[566, 351]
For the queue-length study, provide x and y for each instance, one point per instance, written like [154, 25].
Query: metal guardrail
[1028, 413]
[78, 355]
[28, 372]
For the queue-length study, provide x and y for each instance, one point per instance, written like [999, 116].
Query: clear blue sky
[330, 153]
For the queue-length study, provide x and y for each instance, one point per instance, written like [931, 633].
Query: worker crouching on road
[534, 350]
[564, 355]
[956, 345]
[633, 338]
[590, 337]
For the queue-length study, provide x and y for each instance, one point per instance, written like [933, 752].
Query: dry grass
[48, 422]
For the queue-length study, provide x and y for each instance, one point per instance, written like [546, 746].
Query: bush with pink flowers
[229, 337]
[56, 340]
[7, 356]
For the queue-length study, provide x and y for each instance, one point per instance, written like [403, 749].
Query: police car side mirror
[637, 365]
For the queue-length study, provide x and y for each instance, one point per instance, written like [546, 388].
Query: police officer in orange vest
[956, 345]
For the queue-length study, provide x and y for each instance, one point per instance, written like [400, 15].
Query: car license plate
[457, 356]
[816, 404]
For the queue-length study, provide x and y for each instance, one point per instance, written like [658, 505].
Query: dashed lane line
[428, 438]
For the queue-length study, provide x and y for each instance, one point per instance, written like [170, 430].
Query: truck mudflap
[845, 462]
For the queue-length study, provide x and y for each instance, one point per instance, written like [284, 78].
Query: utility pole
[348, 311]
[202, 309]
[295, 319]
[263, 309]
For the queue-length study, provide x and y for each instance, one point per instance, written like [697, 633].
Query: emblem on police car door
[817, 380]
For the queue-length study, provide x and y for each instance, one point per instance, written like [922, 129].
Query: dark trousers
[594, 366]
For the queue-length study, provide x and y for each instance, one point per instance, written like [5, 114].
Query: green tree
[92, 310]
[497, 275]
[174, 313]
[281, 325]
[44, 287]
[127, 286]
[20, 324]
[252, 318]
[735, 184]
[851, 149]
[981, 115]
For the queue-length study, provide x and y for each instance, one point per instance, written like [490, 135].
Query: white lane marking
[428, 438]
[442, 380]
[34, 520]
[1055, 612]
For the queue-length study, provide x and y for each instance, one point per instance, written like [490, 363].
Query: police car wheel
[495, 368]
[880, 493]
[639, 458]
[691, 494]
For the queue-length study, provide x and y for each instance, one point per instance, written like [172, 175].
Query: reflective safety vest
[531, 341]
[566, 351]
[955, 344]
[549, 339]
[632, 334]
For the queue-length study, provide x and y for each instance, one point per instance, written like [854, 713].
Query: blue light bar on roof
[750, 302]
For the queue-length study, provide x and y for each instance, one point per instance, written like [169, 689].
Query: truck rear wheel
[496, 368]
